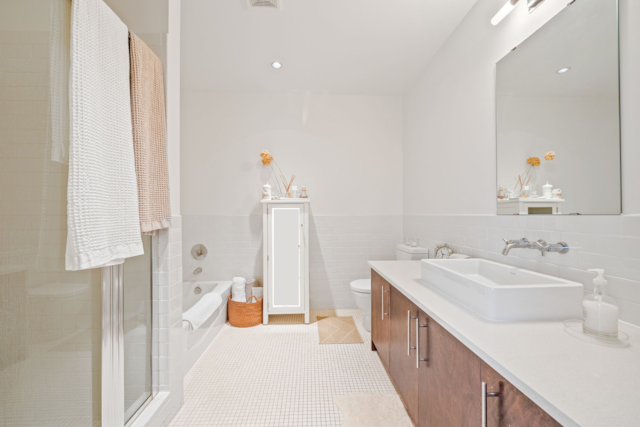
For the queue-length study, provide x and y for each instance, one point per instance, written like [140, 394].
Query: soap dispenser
[600, 312]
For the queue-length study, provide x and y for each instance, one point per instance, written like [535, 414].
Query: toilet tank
[411, 253]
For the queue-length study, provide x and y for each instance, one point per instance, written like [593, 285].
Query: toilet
[361, 288]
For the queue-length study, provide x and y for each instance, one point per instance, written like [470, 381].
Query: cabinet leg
[265, 318]
[306, 318]
[373, 346]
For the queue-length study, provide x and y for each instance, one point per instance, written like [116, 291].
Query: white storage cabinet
[285, 225]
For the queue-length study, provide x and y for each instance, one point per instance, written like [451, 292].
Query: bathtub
[198, 341]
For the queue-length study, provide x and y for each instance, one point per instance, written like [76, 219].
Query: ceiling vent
[265, 4]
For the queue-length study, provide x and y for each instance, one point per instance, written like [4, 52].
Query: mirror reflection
[558, 116]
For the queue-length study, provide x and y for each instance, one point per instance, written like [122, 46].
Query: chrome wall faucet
[541, 245]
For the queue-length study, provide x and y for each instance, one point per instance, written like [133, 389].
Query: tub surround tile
[339, 248]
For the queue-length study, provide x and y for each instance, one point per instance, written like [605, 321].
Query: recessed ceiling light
[563, 70]
[276, 65]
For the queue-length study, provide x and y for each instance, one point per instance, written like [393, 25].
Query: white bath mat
[372, 410]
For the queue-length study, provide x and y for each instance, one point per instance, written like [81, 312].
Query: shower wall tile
[609, 242]
[339, 249]
[169, 307]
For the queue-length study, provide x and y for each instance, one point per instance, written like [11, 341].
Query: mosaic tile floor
[279, 375]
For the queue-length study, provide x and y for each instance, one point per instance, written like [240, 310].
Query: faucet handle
[506, 241]
[542, 244]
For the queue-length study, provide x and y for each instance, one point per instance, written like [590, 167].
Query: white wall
[449, 151]
[449, 113]
[345, 149]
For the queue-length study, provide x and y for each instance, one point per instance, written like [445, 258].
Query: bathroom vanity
[454, 368]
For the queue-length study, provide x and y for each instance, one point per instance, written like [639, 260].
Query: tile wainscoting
[609, 242]
[340, 247]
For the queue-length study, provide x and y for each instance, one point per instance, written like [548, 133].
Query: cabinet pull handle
[417, 343]
[408, 332]
[484, 402]
[418, 359]
[383, 291]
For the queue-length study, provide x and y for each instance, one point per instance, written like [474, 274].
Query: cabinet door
[511, 408]
[450, 386]
[286, 262]
[380, 296]
[403, 363]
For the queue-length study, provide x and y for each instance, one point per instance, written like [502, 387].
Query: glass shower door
[50, 318]
[137, 331]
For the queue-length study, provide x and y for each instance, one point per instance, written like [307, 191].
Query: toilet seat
[361, 285]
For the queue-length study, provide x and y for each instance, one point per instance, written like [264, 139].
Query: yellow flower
[266, 157]
[534, 161]
[550, 155]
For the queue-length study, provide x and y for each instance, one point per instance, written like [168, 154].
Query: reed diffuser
[268, 160]
[533, 162]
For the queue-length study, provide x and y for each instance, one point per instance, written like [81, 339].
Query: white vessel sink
[503, 293]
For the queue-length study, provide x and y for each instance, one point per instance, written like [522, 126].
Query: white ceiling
[360, 47]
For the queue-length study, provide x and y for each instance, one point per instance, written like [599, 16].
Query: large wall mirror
[558, 116]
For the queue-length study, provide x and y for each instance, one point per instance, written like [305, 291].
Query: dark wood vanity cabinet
[511, 408]
[450, 386]
[380, 319]
[438, 378]
[403, 364]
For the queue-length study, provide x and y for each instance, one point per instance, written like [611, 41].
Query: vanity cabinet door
[380, 298]
[511, 408]
[449, 379]
[403, 361]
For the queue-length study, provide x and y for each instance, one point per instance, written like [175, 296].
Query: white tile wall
[610, 242]
[169, 334]
[340, 247]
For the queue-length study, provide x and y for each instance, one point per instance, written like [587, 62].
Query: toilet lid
[362, 285]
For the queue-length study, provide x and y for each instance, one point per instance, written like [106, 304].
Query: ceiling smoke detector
[265, 4]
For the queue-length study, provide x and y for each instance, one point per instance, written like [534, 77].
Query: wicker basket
[244, 315]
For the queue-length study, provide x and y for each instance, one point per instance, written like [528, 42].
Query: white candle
[600, 317]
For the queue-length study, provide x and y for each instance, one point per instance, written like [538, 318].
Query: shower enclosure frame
[112, 343]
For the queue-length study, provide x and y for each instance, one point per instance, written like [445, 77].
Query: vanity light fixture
[563, 70]
[510, 5]
[276, 65]
[506, 9]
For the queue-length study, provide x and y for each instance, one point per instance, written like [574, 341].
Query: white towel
[60, 59]
[202, 310]
[459, 256]
[102, 198]
[238, 289]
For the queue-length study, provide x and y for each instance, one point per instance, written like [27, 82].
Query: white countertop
[285, 201]
[531, 200]
[576, 382]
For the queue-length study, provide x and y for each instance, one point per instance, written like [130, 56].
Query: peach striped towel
[149, 136]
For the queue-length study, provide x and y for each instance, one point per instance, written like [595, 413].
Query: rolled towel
[238, 289]
[257, 292]
[202, 310]
[249, 286]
